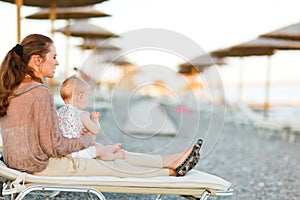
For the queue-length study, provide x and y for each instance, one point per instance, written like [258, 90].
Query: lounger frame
[196, 185]
[202, 194]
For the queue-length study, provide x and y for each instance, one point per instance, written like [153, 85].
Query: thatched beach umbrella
[191, 69]
[241, 53]
[113, 57]
[52, 4]
[110, 55]
[269, 43]
[230, 52]
[259, 46]
[107, 56]
[98, 44]
[59, 4]
[200, 63]
[291, 32]
[68, 14]
[86, 30]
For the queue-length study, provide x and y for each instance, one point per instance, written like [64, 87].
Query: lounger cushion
[194, 179]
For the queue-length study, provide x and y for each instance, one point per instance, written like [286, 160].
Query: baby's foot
[120, 154]
[113, 148]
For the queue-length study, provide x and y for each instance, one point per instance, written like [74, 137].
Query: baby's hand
[84, 131]
[95, 116]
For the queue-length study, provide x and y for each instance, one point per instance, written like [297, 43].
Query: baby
[74, 121]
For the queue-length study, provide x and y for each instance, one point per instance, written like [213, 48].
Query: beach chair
[195, 185]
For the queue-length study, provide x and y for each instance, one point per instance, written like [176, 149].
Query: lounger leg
[189, 197]
[88, 196]
[54, 194]
[160, 197]
[205, 195]
[59, 188]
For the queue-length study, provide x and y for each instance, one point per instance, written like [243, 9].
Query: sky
[212, 24]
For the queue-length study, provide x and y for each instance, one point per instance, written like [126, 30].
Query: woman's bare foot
[183, 162]
[174, 160]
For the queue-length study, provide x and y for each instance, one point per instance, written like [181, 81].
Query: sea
[284, 101]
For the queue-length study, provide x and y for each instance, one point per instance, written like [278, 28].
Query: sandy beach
[258, 167]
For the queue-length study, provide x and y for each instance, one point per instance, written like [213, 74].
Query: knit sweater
[30, 132]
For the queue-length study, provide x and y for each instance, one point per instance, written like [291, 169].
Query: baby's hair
[73, 85]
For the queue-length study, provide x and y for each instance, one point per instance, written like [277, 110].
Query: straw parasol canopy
[200, 63]
[68, 13]
[269, 43]
[86, 30]
[98, 45]
[113, 56]
[291, 32]
[258, 47]
[241, 52]
[61, 3]
[52, 4]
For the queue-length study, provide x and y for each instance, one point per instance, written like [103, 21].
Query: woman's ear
[37, 60]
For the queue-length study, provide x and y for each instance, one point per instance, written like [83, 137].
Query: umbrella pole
[267, 90]
[240, 83]
[68, 33]
[52, 17]
[19, 4]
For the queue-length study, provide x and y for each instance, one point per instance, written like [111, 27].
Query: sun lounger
[194, 185]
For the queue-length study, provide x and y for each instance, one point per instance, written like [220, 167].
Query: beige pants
[133, 165]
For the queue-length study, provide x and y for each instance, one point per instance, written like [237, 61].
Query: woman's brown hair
[15, 67]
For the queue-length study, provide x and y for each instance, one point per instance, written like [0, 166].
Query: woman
[29, 125]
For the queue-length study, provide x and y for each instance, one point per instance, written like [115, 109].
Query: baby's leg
[106, 155]
[109, 153]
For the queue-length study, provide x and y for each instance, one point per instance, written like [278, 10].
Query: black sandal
[191, 161]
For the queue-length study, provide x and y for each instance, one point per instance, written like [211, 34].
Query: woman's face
[49, 63]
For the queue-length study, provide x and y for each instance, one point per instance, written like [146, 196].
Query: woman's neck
[26, 81]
